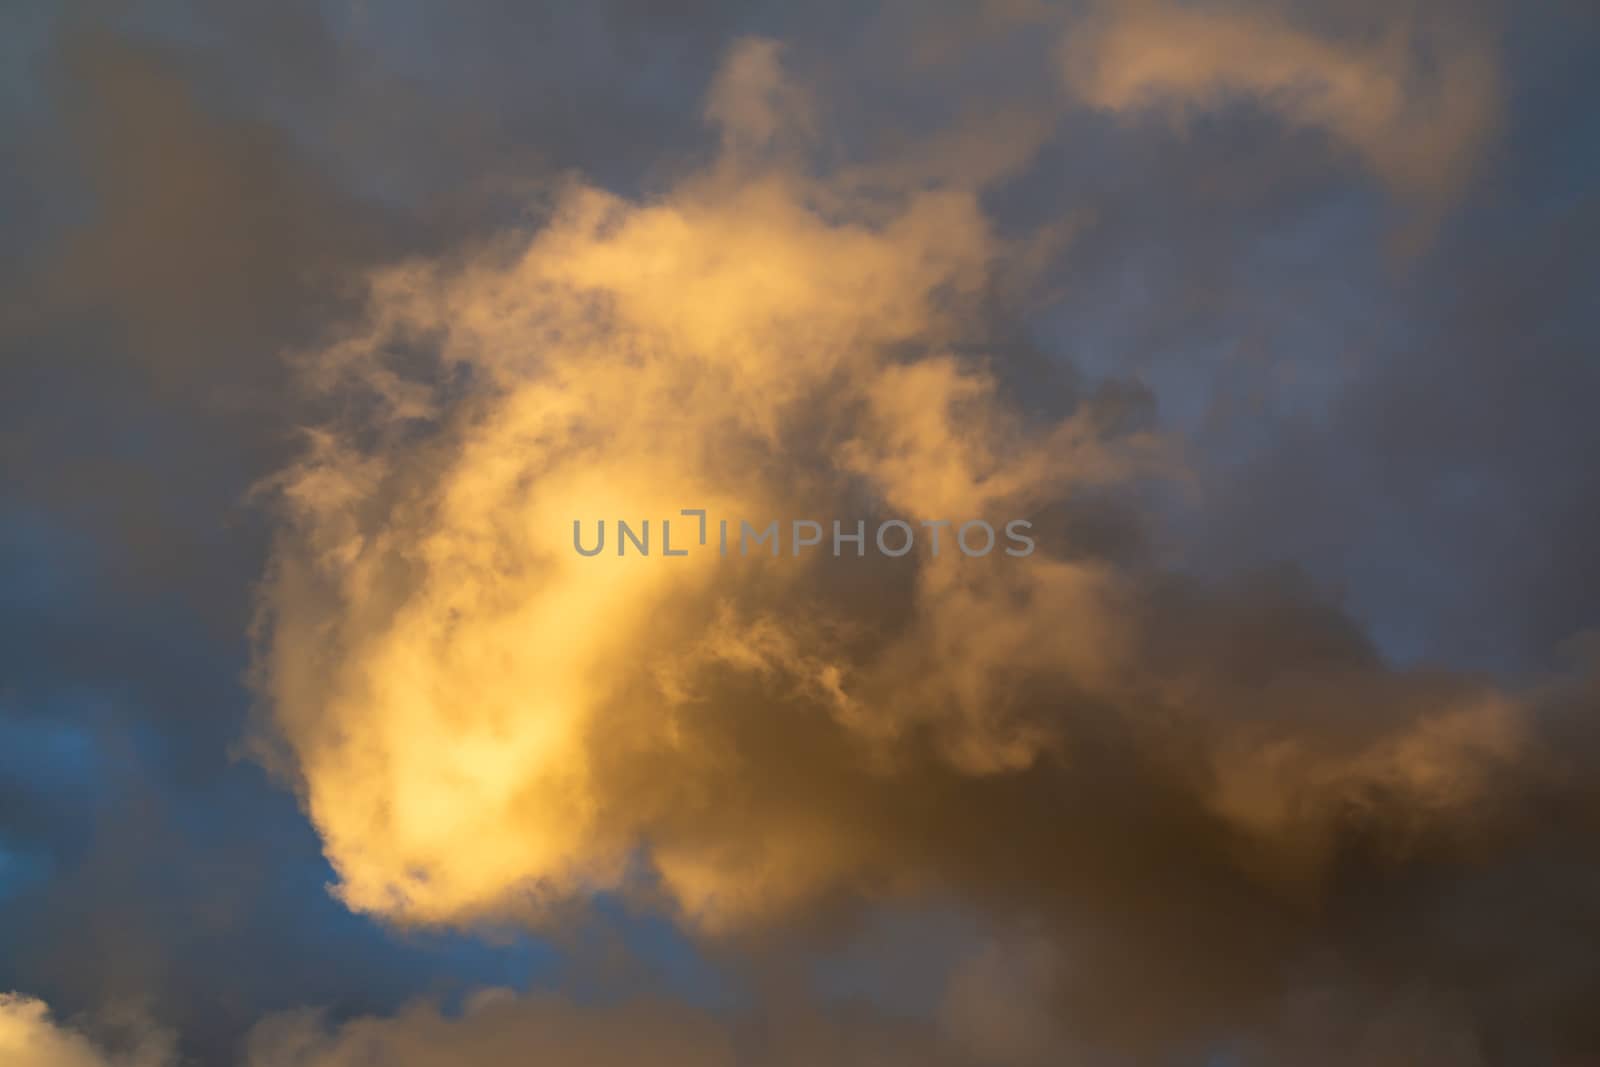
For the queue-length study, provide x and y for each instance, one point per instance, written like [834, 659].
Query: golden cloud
[481, 721]
[29, 1037]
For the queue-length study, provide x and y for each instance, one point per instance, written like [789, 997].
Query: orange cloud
[29, 1037]
[481, 722]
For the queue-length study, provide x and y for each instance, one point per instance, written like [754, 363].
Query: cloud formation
[29, 1037]
[1228, 779]
[1420, 119]
[629, 360]
[1165, 797]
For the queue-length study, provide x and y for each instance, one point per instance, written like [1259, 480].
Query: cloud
[992, 1014]
[497, 1028]
[634, 360]
[1225, 781]
[500, 1028]
[1419, 120]
[1217, 811]
[29, 1037]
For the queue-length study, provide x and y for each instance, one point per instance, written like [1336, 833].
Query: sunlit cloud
[1419, 120]
[484, 722]
[387, 319]
[30, 1037]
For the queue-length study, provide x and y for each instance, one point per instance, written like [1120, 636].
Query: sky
[325, 327]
